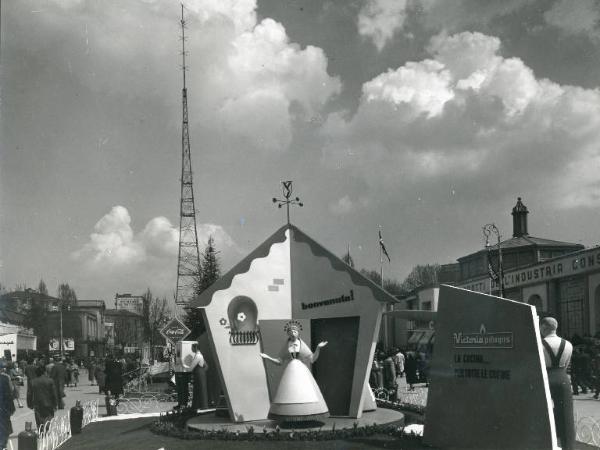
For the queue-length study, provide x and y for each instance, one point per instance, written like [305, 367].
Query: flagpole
[385, 320]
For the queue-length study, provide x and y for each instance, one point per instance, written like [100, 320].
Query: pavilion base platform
[381, 416]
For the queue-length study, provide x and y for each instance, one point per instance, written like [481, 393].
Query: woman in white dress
[298, 396]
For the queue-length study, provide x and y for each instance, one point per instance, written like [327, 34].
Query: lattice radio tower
[188, 263]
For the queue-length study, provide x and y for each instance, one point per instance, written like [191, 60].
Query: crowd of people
[45, 379]
[585, 366]
[388, 367]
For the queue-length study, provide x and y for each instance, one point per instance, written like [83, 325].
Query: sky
[426, 118]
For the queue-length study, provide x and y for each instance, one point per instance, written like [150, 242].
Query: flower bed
[173, 424]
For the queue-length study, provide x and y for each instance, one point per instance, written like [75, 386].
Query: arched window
[243, 319]
[536, 301]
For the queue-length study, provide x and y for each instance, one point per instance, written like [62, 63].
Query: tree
[210, 267]
[155, 313]
[421, 275]
[36, 318]
[390, 285]
[210, 271]
[66, 293]
[42, 289]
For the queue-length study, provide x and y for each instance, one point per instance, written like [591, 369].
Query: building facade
[81, 323]
[128, 302]
[561, 279]
[125, 330]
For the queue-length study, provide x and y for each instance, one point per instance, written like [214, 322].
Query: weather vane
[287, 193]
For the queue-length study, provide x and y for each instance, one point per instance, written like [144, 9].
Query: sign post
[175, 331]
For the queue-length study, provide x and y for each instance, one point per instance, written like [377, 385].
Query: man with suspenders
[557, 354]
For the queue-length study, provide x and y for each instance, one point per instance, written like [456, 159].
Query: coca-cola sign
[175, 331]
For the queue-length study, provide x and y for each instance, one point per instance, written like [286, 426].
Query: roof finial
[519, 213]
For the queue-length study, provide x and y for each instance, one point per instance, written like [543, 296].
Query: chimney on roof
[519, 213]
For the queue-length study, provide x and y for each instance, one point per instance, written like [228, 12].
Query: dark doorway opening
[334, 370]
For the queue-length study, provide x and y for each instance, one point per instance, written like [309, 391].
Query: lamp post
[287, 193]
[488, 229]
[61, 330]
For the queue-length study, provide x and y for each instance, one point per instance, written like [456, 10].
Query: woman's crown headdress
[292, 325]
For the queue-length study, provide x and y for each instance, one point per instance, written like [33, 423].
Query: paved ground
[83, 392]
[134, 434]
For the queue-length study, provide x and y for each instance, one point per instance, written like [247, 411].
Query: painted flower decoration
[223, 321]
[241, 317]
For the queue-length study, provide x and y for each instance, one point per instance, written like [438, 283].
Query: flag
[383, 249]
[492, 273]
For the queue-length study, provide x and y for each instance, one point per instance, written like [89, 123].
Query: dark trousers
[562, 396]
[42, 415]
[580, 380]
[5, 430]
[182, 381]
[200, 394]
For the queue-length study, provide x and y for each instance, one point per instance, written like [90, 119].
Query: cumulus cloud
[112, 242]
[265, 74]
[117, 256]
[422, 87]
[469, 115]
[575, 17]
[379, 20]
[247, 72]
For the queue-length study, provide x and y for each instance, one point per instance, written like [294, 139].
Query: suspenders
[554, 358]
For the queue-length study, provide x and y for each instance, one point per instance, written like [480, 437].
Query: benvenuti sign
[330, 301]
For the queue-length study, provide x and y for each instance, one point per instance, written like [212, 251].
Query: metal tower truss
[188, 263]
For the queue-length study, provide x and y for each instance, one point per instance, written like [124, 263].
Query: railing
[244, 337]
[587, 430]
[57, 431]
[90, 412]
[137, 380]
[54, 432]
[147, 402]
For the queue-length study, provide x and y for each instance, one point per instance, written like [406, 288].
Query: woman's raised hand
[322, 344]
[264, 355]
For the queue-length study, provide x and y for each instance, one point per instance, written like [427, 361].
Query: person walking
[69, 373]
[557, 355]
[376, 377]
[30, 373]
[100, 377]
[7, 405]
[389, 377]
[42, 397]
[399, 362]
[58, 373]
[91, 368]
[16, 376]
[595, 364]
[577, 369]
[410, 369]
[114, 377]
[74, 373]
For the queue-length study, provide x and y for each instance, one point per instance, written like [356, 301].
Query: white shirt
[554, 342]
[198, 360]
